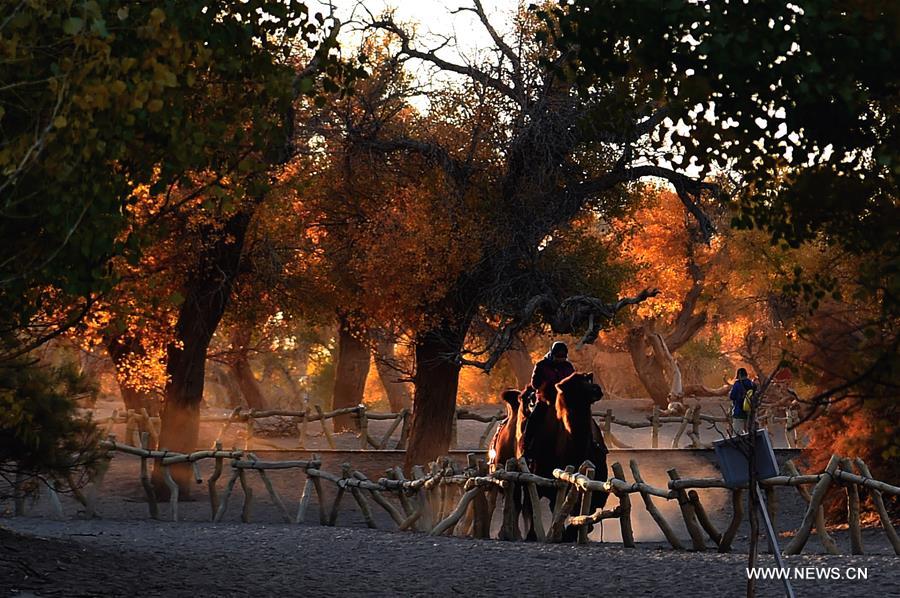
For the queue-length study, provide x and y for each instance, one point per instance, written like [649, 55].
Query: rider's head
[559, 351]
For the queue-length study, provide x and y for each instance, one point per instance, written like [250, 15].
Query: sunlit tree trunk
[206, 293]
[520, 362]
[243, 373]
[398, 393]
[436, 384]
[351, 370]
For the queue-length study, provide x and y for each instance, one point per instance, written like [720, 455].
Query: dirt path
[140, 558]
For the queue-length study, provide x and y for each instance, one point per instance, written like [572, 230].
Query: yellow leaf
[154, 105]
[60, 122]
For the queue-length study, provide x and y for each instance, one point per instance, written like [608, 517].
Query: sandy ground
[125, 553]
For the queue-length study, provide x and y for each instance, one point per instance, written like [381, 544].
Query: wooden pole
[454, 431]
[737, 514]
[173, 490]
[303, 423]
[510, 529]
[688, 415]
[248, 496]
[426, 519]
[397, 474]
[654, 430]
[827, 541]
[305, 498]
[457, 513]
[213, 479]
[325, 429]
[363, 422]
[145, 479]
[795, 546]
[654, 512]
[564, 507]
[335, 507]
[379, 499]
[585, 506]
[228, 490]
[387, 435]
[364, 507]
[320, 496]
[404, 431]
[625, 509]
[879, 506]
[856, 545]
[703, 518]
[537, 522]
[274, 496]
[689, 515]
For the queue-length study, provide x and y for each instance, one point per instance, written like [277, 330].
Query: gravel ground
[140, 558]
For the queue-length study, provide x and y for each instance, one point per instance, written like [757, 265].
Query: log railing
[446, 498]
[137, 422]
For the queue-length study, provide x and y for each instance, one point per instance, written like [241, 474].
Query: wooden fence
[447, 499]
[137, 422]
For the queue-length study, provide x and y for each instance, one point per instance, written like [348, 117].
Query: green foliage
[40, 433]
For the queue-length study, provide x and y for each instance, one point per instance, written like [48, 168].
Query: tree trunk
[398, 393]
[351, 370]
[243, 373]
[436, 383]
[119, 347]
[649, 369]
[520, 362]
[206, 294]
[224, 377]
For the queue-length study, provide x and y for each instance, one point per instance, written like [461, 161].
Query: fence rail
[139, 421]
[447, 499]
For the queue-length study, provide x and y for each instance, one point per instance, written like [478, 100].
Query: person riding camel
[553, 368]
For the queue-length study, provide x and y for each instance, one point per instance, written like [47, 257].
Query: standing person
[739, 390]
[553, 368]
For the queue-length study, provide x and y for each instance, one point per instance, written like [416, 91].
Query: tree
[529, 156]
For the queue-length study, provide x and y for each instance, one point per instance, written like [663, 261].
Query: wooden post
[688, 415]
[625, 509]
[563, 508]
[379, 498]
[145, 479]
[695, 427]
[305, 498]
[173, 490]
[703, 518]
[788, 421]
[537, 522]
[363, 507]
[426, 519]
[213, 479]
[856, 546]
[397, 474]
[654, 429]
[248, 496]
[274, 496]
[249, 434]
[228, 490]
[737, 514]
[827, 541]
[799, 540]
[654, 512]
[482, 520]
[879, 506]
[325, 429]
[303, 423]
[387, 435]
[335, 507]
[363, 423]
[585, 509]
[404, 430]
[687, 511]
[320, 495]
[510, 528]
[457, 513]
